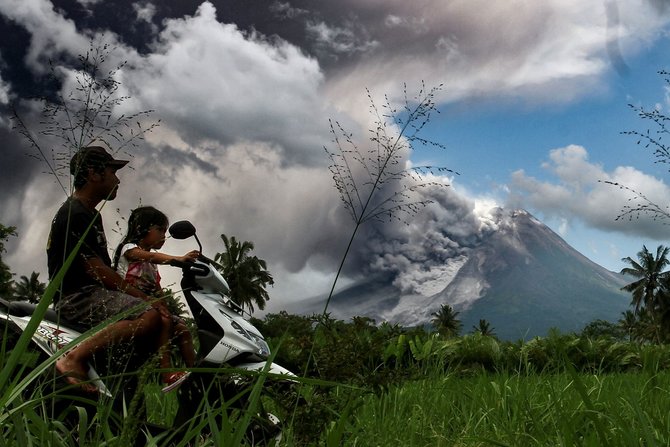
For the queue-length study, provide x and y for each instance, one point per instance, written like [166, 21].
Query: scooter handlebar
[180, 264]
[190, 265]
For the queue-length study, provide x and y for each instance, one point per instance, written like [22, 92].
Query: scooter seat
[26, 309]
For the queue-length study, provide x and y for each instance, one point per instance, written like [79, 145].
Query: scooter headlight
[263, 348]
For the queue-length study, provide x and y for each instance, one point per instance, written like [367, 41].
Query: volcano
[522, 278]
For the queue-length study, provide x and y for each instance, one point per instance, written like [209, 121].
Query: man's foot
[75, 374]
[174, 379]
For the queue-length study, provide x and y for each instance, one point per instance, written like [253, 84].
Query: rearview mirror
[182, 229]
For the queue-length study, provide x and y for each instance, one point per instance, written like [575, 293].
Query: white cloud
[579, 192]
[286, 11]
[51, 33]
[5, 91]
[339, 40]
[211, 81]
[529, 50]
[145, 11]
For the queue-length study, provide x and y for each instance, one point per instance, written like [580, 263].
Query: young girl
[136, 259]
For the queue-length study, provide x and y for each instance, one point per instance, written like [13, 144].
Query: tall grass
[375, 182]
[512, 409]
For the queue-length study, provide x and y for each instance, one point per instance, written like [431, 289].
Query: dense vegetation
[368, 384]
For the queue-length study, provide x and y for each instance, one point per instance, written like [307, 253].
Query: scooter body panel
[239, 336]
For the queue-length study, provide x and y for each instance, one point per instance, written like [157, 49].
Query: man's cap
[94, 157]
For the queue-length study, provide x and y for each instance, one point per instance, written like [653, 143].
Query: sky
[533, 101]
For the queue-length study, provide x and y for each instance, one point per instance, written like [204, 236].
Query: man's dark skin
[73, 366]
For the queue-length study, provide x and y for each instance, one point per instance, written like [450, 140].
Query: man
[91, 291]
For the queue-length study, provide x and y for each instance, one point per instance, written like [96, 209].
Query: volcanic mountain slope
[522, 278]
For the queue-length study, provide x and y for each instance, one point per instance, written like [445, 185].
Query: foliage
[605, 329]
[6, 283]
[639, 204]
[365, 179]
[629, 324]
[84, 115]
[484, 328]
[446, 321]
[650, 295]
[247, 275]
[388, 363]
[29, 289]
[292, 334]
[374, 183]
[509, 409]
[649, 269]
[174, 305]
[384, 358]
[380, 355]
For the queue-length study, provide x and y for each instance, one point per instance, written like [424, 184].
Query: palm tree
[630, 324]
[446, 322]
[648, 327]
[6, 280]
[648, 289]
[30, 289]
[247, 275]
[650, 272]
[484, 328]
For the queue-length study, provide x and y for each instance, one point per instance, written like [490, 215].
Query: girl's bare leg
[185, 341]
[164, 345]
[73, 363]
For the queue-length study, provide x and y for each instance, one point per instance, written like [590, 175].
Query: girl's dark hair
[140, 221]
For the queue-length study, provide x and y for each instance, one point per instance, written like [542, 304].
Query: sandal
[174, 379]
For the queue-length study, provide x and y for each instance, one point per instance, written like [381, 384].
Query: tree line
[248, 278]
[648, 321]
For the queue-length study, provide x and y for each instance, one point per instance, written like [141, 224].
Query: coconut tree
[484, 328]
[630, 324]
[662, 307]
[6, 282]
[30, 289]
[446, 322]
[647, 290]
[247, 275]
[649, 269]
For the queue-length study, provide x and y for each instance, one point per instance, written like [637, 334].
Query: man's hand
[161, 308]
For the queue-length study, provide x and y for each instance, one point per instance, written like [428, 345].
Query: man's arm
[107, 276]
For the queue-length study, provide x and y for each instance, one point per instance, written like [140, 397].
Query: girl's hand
[190, 256]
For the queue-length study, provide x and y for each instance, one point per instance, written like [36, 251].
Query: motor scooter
[231, 351]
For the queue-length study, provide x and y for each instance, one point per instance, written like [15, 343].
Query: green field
[364, 385]
[518, 410]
